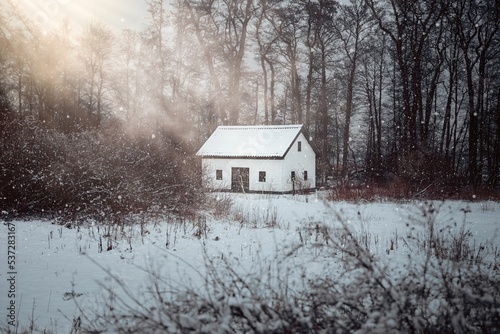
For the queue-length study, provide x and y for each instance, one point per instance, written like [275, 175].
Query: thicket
[104, 174]
[373, 186]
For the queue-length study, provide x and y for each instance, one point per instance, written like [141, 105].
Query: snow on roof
[265, 141]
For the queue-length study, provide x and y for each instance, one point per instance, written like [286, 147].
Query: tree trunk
[348, 112]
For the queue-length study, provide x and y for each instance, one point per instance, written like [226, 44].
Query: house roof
[263, 141]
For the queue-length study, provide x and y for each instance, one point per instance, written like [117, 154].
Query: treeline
[404, 88]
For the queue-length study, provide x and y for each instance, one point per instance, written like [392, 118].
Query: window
[305, 175]
[218, 174]
[299, 146]
[292, 176]
[262, 176]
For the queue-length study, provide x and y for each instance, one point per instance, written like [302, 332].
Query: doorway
[240, 179]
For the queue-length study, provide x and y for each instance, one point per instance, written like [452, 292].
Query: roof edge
[300, 127]
[244, 157]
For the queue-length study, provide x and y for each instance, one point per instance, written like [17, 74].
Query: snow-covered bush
[423, 292]
[220, 204]
[355, 291]
[102, 175]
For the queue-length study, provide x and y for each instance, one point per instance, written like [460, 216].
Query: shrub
[102, 175]
[355, 292]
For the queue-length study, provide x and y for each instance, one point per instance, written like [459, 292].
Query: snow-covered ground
[60, 271]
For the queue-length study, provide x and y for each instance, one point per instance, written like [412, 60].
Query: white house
[274, 158]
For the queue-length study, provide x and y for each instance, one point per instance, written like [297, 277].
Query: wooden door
[240, 179]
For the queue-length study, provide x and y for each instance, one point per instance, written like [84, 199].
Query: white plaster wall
[305, 160]
[271, 167]
[209, 180]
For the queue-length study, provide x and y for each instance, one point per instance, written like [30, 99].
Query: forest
[393, 93]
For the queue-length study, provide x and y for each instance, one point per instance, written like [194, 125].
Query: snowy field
[60, 271]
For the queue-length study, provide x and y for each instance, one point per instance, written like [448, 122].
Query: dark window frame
[299, 146]
[305, 175]
[262, 176]
[218, 174]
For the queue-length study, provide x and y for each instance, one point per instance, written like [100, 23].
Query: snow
[61, 271]
[250, 141]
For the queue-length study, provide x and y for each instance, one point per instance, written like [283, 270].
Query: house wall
[305, 160]
[273, 169]
[278, 171]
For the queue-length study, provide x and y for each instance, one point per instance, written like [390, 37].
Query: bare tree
[287, 24]
[267, 38]
[374, 62]
[409, 26]
[235, 20]
[156, 53]
[222, 30]
[96, 43]
[198, 14]
[353, 26]
[477, 26]
[5, 45]
[127, 78]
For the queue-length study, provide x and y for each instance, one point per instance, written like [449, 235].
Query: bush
[355, 292]
[101, 175]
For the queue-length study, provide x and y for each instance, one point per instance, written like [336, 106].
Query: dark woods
[401, 95]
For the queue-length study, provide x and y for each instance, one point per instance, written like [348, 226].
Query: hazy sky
[117, 14]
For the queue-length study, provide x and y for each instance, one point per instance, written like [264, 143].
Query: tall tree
[155, 45]
[477, 26]
[199, 15]
[353, 23]
[221, 29]
[375, 64]
[97, 47]
[127, 80]
[5, 104]
[327, 38]
[267, 38]
[409, 25]
[235, 20]
[288, 26]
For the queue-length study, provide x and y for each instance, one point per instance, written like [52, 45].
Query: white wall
[278, 171]
[271, 167]
[305, 160]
